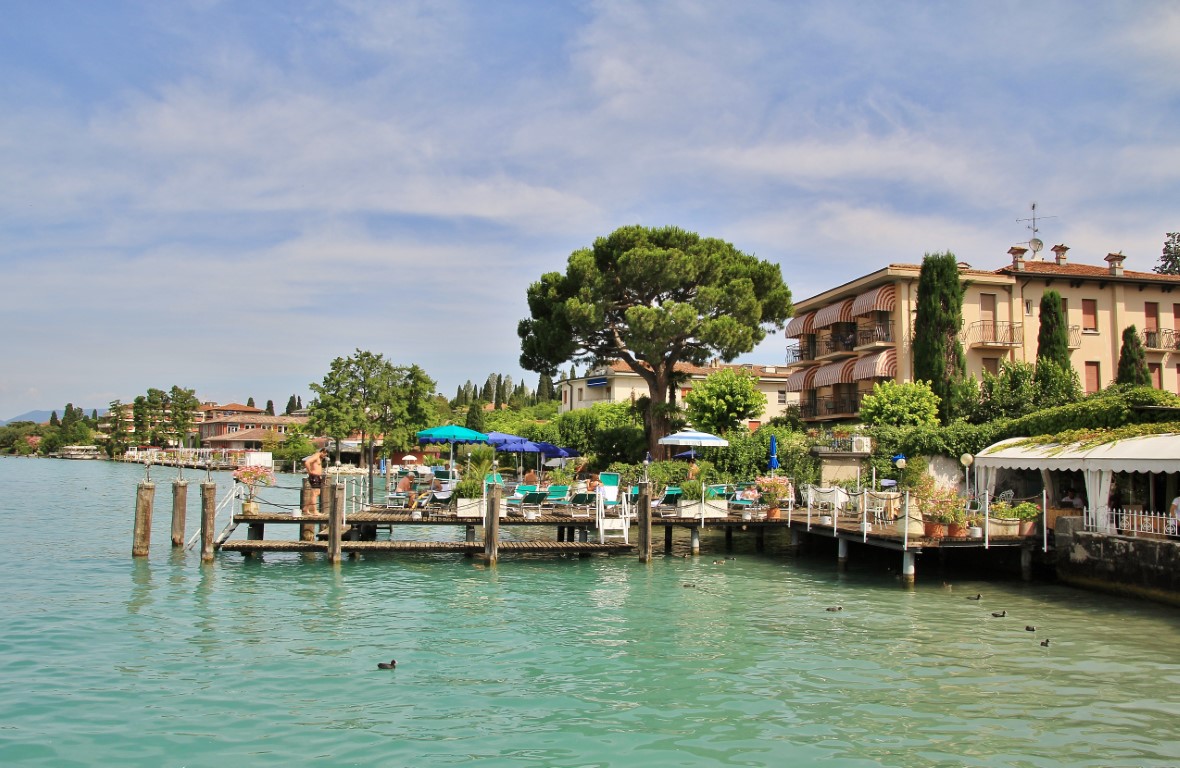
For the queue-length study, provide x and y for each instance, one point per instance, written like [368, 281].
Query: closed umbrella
[772, 464]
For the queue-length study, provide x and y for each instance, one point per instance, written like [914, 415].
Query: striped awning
[883, 298]
[840, 312]
[882, 365]
[800, 325]
[800, 380]
[835, 373]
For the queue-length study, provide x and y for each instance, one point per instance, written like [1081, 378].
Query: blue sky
[227, 196]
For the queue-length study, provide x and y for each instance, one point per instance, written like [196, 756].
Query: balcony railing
[988, 333]
[833, 343]
[877, 333]
[1075, 336]
[833, 406]
[798, 353]
[1160, 338]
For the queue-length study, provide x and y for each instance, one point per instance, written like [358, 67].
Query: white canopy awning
[1150, 453]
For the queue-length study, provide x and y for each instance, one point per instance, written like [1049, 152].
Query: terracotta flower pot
[249, 507]
[774, 513]
[956, 531]
[933, 530]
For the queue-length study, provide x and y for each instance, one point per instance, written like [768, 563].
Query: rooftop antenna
[1034, 244]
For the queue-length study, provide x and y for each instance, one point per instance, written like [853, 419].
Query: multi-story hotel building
[850, 337]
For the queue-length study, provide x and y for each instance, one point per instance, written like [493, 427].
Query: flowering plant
[775, 489]
[252, 476]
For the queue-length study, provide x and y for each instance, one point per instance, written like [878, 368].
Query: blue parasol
[451, 433]
[772, 464]
[691, 453]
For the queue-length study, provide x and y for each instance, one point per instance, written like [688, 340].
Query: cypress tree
[250, 402]
[53, 420]
[270, 407]
[299, 403]
[291, 406]
[938, 355]
[544, 389]
[1133, 360]
[475, 416]
[1053, 336]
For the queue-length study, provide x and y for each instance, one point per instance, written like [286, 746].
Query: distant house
[617, 383]
[249, 429]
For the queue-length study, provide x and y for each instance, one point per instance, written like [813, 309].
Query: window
[1065, 309]
[1093, 377]
[782, 397]
[579, 394]
[992, 365]
[1090, 315]
[1028, 307]
[1151, 316]
[1156, 372]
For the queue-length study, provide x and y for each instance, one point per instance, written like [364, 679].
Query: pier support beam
[469, 537]
[760, 539]
[696, 539]
[179, 508]
[491, 526]
[667, 539]
[907, 569]
[796, 540]
[1026, 563]
[842, 555]
[729, 538]
[306, 530]
[145, 495]
[208, 516]
[335, 522]
[254, 532]
[644, 519]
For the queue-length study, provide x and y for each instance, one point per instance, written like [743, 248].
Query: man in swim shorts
[314, 464]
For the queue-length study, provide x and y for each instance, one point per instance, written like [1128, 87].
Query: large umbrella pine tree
[652, 298]
[938, 355]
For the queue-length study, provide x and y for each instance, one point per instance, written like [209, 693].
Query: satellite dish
[1036, 245]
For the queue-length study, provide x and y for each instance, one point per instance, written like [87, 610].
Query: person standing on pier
[314, 464]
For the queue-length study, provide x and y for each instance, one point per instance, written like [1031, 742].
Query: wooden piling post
[179, 508]
[760, 539]
[208, 516]
[306, 530]
[644, 519]
[728, 538]
[145, 495]
[668, 539]
[1026, 563]
[491, 526]
[335, 522]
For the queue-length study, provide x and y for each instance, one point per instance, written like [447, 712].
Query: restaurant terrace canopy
[1097, 463]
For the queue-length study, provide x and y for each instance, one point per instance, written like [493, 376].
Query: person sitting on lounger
[530, 478]
[749, 493]
[406, 486]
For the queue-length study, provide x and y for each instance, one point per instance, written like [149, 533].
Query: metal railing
[877, 333]
[840, 341]
[1159, 338]
[998, 333]
[1131, 522]
[799, 352]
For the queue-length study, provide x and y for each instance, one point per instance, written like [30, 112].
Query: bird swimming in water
[391, 665]
[1030, 628]
[999, 614]
[976, 597]
[835, 608]
[1045, 643]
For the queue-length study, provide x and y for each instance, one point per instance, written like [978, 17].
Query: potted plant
[252, 476]
[1027, 513]
[775, 490]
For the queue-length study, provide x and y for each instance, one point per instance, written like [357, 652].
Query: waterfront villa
[850, 337]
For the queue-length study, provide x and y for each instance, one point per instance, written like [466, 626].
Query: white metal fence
[1132, 521]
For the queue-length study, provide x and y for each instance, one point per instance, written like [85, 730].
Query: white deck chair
[612, 514]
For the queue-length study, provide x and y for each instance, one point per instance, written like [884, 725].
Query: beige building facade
[844, 340]
[616, 383]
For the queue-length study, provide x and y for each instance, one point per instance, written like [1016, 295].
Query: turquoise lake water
[542, 661]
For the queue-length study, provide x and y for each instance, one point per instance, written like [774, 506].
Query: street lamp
[646, 464]
[967, 460]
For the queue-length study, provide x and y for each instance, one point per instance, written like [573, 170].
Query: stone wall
[1145, 566]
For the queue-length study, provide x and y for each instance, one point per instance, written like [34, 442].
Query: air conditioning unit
[862, 445]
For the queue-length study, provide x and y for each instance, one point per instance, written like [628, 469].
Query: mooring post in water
[208, 515]
[145, 495]
[306, 530]
[491, 526]
[842, 555]
[668, 539]
[728, 538]
[335, 518]
[1026, 562]
[907, 568]
[644, 519]
[179, 507]
[695, 539]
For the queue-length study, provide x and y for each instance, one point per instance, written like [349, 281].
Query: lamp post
[967, 460]
[646, 464]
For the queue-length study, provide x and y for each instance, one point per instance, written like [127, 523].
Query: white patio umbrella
[694, 437]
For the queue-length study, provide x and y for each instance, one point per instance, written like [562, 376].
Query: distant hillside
[42, 416]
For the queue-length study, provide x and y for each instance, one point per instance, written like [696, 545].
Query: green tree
[652, 298]
[1011, 393]
[1170, 259]
[270, 408]
[911, 404]
[291, 406]
[54, 421]
[1133, 360]
[1056, 384]
[938, 355]
[182, 410]
[1053, 336]
[723, 400]
[475, 416]
[545, 390]
[117, 435]
[250, 402]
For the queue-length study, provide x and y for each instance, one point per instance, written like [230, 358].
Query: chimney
[1116, 263]
[1060, 250]
[1017, 253]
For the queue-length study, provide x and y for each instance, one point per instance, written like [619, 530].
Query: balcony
[1158, 339]
[842, 407]
[987, 333]
[800, 354]
[1075, 336]
[836, 345]
[875, 336]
